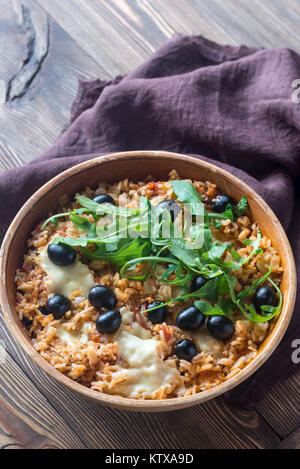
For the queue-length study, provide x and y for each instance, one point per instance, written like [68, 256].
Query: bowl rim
[124, 402]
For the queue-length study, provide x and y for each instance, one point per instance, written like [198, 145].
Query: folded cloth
[233, 106]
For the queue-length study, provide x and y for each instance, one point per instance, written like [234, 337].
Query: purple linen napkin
[231, 106]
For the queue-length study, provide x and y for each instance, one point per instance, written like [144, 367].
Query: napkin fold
[236, 107]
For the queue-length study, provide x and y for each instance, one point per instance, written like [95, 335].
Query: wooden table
[45, 45]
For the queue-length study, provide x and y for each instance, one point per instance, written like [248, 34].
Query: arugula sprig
[54, 218]
[241, 207]
[207, 291]
[214, 304]
[131, 244]
[121, 251]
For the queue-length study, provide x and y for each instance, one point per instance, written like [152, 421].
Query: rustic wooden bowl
[137, 165]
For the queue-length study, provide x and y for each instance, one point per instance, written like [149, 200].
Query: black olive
[157, 315]
[44, 310]
[190, 318]
[102, 297]
[185, 349]
[198, 282]
[264, 296]
[220, 327]
[104, 199]
[220, 203]
[172, 207]
[109, 321]
[61, 254]
[58, 305]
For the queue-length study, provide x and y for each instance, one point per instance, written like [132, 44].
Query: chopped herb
[186, 192]
[241, 207]
[208, 309]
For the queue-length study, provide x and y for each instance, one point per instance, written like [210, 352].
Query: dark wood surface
[45, 45]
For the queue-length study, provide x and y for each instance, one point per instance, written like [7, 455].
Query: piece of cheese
[205, 342]
[127, 315]
[138, 330]
[147, 372]
[66, 280]
[76, 337]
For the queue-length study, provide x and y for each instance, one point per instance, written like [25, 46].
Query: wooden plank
[259, 23]
[140, 26]
[211, 425]
[292, 441]
[87, 25]
[281, 406]
[40, 66]
[16, 434]
[27, 420]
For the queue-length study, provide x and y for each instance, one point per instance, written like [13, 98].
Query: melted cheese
[138, 330]
[206, 342]
[127, 315]
[157, 198]
[66, 280]
[74, 338]
[148, 372]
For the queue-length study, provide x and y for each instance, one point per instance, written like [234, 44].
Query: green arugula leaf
[250, 313]
[208, 292]
[241, 207]
[227, 215]
[208, 309]
[177, 247]
[236, 256]
[84, 225]
[129, 250]
[256, 249]
[87, 203]
[248, 310]
[248, 291]
[227, 306]
[182, 278]
[225, 283]
[71, 241]
[54, 219]
[186, 192]
[149, 259]
[106, 209]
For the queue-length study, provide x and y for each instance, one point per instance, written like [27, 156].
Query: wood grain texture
[100, 38]
[26, 417]
[259, 23]
[15, 433]
[98, 25]
[38, 80]
[140, 26]
[292, 441]
[34, 24]
[281, 407]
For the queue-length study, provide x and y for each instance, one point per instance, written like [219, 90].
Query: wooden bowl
[137, 165]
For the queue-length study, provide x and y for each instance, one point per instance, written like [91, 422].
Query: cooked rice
[94, 361]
